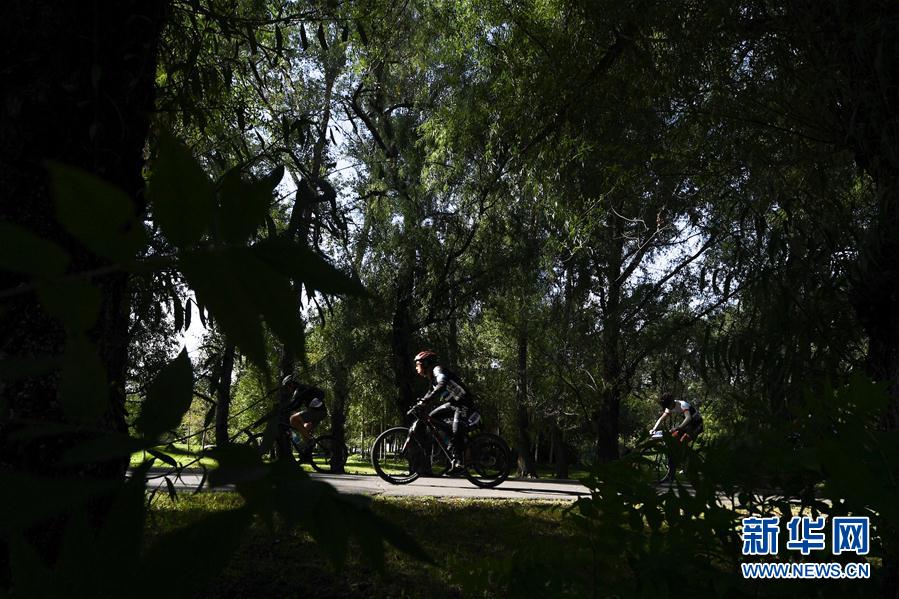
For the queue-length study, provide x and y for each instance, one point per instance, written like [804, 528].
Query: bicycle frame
[433, 427]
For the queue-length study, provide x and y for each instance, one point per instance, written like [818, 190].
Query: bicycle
[323, 453]
[399, 457]
[659, 460]
[658, 453]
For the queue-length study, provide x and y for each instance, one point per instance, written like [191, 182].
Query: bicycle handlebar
[414, 410]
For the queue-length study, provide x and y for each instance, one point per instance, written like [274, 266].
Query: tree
[79, 92]
[75, 135]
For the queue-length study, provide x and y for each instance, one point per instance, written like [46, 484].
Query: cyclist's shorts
[313, 415]
[695, 429]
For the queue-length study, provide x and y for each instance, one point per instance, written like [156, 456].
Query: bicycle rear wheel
[390, 456]
[489, 460]
[327, 455]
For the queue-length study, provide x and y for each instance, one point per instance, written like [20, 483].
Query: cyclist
[686, 431]
[306, 406]
[690, 428]
[457, 401]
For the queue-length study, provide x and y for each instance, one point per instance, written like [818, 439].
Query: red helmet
[425, 356]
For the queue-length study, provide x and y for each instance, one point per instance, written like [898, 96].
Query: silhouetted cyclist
[457, 401]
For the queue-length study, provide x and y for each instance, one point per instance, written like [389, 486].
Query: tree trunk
[287, 366]
[78, 83]
[526, 466]
[452, 344]
[401, 340]
[606, 422]
[337, 409]
[560, 454]
[607, 415]
[223, 395]
[282, 445]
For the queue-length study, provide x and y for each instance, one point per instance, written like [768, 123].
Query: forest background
[578, 205]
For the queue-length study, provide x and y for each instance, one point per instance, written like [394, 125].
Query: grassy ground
[179, 452]
[479, 549]
[477, 546]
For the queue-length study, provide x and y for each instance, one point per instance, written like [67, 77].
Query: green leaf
[168, 398]
[164, 457]
[120, 540]
[333, 518]
[105, 447]
[304, 41]
[76, 303]
[238, 288]
[30, 576]
[178, 313]
[211, 278]
[78, 555]
[84, 394]
[37, 498]
[98, 213]
[109, 446]
[238, 464]
[320, 33]
[173, 494]
[300, 263]
[243, 205]
[219, 536]
[181, 194]
[270, 182]
[23, 251]
[272, 296]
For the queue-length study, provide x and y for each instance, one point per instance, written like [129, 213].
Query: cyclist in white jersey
[690, 427]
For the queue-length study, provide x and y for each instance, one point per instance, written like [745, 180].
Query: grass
[183, 455]
[476, 546]
[479, 548]
[547, 471]
[355, 464]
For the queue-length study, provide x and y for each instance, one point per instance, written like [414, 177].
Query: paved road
[423, 487]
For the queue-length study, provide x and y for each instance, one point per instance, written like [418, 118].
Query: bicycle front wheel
[390, 456]
[489, 460]
[327, 455]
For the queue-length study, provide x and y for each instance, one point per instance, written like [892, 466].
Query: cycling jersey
[681, 406]
[448, 387]
[307, 396]
[692, 423]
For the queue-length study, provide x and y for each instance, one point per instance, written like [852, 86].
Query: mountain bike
[657, 452]
[324, 453]
[401, 454]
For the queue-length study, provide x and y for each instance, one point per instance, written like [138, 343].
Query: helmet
[425, 356]
[288, 379]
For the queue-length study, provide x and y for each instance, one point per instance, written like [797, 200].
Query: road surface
[423, 487]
